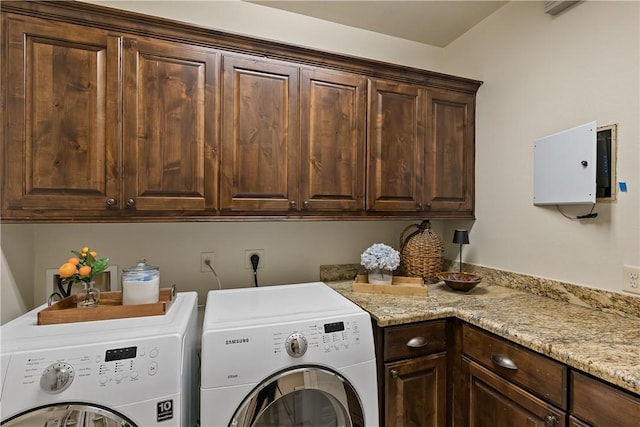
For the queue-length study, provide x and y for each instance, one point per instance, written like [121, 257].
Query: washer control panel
[129, 371]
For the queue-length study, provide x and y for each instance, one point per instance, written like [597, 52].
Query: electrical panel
[565, 167]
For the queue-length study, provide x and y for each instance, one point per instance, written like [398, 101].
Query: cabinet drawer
[602, 405]
[532, 371]
[401, 342]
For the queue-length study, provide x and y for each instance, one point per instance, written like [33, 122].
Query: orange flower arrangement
[83, 266]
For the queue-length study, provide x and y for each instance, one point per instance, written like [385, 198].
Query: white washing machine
[288, 355]
[139, 371]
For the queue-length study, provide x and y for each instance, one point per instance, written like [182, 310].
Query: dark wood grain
[601, 405]
[496, 402]
[536, 373]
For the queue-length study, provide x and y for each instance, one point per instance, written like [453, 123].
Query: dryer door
[69, 414]
[310, 396]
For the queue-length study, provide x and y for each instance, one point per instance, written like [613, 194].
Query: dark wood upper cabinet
[333, 126]
[450, 152]
[61, 117]
[260, 138]
[111, 115]
[396, 146]
[170, 126]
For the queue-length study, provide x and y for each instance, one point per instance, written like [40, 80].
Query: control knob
[57, 377]
[296, 345]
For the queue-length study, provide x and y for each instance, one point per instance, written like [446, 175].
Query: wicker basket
[421, 252]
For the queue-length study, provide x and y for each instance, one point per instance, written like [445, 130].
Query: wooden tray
[65, 310]
[400, 285]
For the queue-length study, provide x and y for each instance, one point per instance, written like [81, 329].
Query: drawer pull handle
[504, 362]
[394, 373]
[551, 420]
[417, 342]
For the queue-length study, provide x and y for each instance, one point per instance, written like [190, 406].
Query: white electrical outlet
[204, 257]
[631, 279]
[247, 258]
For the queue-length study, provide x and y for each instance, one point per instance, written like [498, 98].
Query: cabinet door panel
[449, 165]
[62, 116]
[396, 146]
[333, 130]
[259, 135]
[494, 402]
[415, 392]
[170, 125]
[602, 405]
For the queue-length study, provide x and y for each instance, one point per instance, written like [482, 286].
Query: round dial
[296, 345]
[57, 377]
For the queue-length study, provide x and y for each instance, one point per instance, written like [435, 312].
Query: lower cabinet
[496, 402]
[596, 404]
[450, 373]
[505, 385]
[415, 391]
[412, 374]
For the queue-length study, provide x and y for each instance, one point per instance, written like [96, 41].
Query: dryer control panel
[246, 355]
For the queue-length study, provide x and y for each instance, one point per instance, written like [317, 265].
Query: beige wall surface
[543, 74]
[236, 16]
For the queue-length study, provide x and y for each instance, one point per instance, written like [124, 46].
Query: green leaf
[99, 266]
[78, 254]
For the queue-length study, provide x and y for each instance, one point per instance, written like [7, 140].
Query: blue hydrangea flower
[380, 256]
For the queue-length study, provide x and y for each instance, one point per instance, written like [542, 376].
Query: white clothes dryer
[138, 371]
[287, 355]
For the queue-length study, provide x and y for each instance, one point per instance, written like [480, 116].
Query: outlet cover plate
[247, 258]
[631, 279]
[204, 268]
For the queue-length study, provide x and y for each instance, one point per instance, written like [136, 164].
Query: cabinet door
[61, 117]
[416, 392]
[333, 127]
[396, 146]
[260, 131]
[601, 405]
[495, 402]
[170, 126]
[450, 152]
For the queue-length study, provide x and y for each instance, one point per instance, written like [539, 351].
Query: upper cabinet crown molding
[147, 25]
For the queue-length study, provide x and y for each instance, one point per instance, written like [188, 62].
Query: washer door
[69, 414]
[309, 396]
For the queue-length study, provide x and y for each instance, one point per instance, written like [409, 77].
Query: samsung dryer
[287, 355]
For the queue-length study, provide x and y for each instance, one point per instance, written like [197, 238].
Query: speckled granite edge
[598, 299]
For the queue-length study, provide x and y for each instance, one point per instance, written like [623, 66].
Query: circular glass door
[69, 414]
[302, 397]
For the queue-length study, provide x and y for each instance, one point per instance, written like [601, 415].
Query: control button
[134, 375]
[118, 378]
[103, 380]
[153, 368]
[154, 352]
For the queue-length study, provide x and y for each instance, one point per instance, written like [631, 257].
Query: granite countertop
[602, 344]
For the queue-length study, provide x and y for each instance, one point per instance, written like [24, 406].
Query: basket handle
[420, 227]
